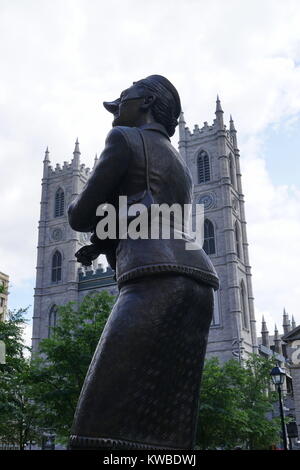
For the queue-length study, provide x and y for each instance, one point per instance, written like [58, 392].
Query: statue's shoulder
[129, 134]
[116, 135]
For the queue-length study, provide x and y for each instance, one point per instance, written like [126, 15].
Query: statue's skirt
[142, 387]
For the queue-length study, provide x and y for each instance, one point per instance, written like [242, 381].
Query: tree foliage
[59, 371]
[17, 410]
[235, 405]
[41, 395]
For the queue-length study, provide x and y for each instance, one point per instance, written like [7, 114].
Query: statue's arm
[103, 183]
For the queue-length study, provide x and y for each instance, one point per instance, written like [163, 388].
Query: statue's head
[152, 99]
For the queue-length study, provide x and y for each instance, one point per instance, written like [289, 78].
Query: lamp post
[277, 375]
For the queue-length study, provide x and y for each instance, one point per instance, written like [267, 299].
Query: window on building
[237, 234]
[284, 351]
[289, 385]
[232, 171]
[52, 320]
[203, 167]
[216, 314]
[245, 322]
[209, 244]
[56, 267]
[59, 209]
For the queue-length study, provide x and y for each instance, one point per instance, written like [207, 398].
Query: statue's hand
[87, 254]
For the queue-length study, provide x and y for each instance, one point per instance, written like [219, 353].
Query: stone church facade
[212, 154]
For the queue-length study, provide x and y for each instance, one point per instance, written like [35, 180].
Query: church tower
[57, 268]
[212, 155]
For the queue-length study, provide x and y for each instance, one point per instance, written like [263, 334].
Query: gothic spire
[76, 155]
[265, 334]
[293, 323]
[181, 124]
[76, 150]
[264, 328]
[46, 159]
[232, 131]
[95, 160]
[286, 322]
[219, 113]
[46, 163]
[218, 106]
[277, 341]
[181, 118]
[231, 125]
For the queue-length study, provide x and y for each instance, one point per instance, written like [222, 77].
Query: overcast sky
[61, 58]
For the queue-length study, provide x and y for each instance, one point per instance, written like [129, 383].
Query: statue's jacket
[120, 171]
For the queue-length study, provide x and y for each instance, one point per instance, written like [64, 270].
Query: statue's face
[127, 109]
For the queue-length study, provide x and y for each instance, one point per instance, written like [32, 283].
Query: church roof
[292, 335]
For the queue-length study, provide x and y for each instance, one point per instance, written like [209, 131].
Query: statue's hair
[166, 108]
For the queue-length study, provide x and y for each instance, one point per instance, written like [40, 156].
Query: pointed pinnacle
[231, 125]
[218, 106]
[264, 328]
[95, 160]
[181, 118]
[46, 159]
[76, 150]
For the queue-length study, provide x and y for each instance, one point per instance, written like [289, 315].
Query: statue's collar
[154, 126]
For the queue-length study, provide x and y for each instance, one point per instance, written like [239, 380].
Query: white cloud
[60, 59]
[273, 222]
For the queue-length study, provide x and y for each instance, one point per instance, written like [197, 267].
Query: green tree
[235, 405]
[59, 371]
[18, 412]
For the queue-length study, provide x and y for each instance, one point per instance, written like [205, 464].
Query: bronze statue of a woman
[142, 387]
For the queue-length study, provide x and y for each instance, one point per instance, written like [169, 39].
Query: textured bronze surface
[143, 382]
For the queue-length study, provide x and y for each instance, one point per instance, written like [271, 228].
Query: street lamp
[277, 375]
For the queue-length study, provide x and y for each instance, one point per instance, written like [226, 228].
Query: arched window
[203, 167]
[56, 267]
[52, 319]
[237, 235]
[232, 171]
[245, 323]
[59, 209]
[209, 245]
